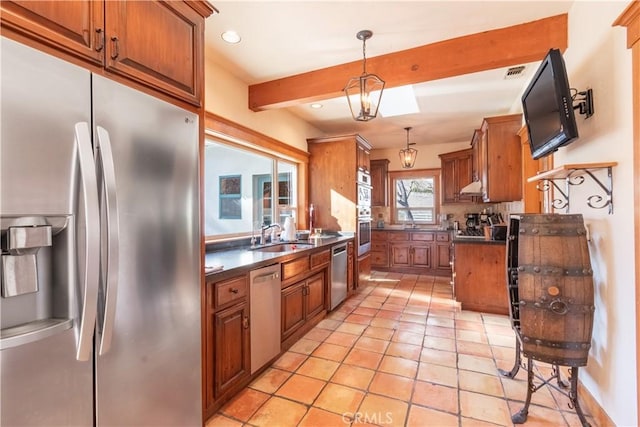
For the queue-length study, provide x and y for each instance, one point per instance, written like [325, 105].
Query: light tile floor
[399, 352]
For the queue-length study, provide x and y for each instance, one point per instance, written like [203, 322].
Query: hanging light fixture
[364, 92]
[408, 155]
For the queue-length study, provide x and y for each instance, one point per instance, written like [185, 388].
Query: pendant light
[364, 92]
[408, 155]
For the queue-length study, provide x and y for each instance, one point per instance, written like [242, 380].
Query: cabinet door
[464, 176]
[450, 190]
[232, 357]
[293, 308]
[400, 255]
[73, 27]
[443, 256]
[421, 256]
[315, 295]
[379, 182]
[156, 43]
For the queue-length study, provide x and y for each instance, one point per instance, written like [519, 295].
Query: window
[239, 192]
[414, 196]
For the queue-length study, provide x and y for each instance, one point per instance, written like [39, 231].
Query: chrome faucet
[264, 228]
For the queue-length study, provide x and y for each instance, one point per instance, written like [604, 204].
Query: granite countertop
[225, 260]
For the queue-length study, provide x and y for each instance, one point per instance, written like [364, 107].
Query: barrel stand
[520, 417]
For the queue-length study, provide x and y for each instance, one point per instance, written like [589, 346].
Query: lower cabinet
[421, 252]
[233, 360]
[301, 301]
[227, 357]
[479, 277]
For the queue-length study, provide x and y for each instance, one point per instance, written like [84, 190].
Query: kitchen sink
[284, 247]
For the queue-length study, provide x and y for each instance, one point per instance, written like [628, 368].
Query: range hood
[475, 188]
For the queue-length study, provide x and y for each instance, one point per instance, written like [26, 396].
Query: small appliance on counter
[288, 230]
[472, 221]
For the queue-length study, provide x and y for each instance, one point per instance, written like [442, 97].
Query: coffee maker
[472, 221]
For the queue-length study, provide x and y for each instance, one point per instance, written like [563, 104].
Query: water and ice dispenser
[19, 264]
[37, 277]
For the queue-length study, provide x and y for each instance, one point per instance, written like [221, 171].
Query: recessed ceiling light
[316, 105]
[231, 36]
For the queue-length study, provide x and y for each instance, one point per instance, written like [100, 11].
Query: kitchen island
[480, 275]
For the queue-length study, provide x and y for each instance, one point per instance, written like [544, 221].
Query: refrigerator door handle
[104, 157]
[91, 261]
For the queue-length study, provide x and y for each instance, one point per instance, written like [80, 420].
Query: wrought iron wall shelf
[574, 174]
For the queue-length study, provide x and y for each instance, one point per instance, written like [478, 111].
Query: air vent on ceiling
[514, 72]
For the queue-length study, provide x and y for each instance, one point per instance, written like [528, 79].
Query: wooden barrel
[555, 289]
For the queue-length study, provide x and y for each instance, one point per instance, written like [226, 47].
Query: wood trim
[591, 406]
[462, 55]
[630, 18]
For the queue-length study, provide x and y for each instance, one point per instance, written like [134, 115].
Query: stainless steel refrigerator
[100, 271]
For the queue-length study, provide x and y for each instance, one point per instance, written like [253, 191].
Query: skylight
[398, 101]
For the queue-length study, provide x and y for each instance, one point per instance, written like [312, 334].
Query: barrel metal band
[559, 306]
[548, 270]
[557, 344]
[550, 231]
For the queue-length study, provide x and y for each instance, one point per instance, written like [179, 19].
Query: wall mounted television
[548, 107]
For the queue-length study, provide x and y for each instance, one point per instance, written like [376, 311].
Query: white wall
[228, 97]
[427, 157]
[597, 58]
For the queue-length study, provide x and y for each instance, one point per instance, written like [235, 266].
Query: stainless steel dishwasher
[265, 315]
[338, 274]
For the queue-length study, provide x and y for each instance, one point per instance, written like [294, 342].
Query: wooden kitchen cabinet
[480, 277]
[417, 252]
[363, 157]
[333, 166]
[379, 182]
[233, 359]
[350, 267]
[456, 171]
[226, 353]
[159, 44]
[500, 159]
[301, 302]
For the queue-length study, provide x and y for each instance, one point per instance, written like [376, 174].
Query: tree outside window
[415, 196]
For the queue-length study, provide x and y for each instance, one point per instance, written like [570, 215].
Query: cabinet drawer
[380, 258]
[320, 258]
[379, 235]
[379, 247]
[398, 236]
[442, 237]
[230, 290]
[295, 267]
[422, 237]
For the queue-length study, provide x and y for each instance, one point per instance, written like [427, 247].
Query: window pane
[415, 196]
[239, 190]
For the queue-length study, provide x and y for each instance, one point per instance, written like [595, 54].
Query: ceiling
[284, 38]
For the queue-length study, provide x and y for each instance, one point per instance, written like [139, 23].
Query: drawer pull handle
[233, 290]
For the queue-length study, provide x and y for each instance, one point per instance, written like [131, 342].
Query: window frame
[414, 173]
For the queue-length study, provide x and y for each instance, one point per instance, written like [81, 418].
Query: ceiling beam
[462, 55]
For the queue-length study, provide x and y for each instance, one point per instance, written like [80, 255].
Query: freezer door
[151, 374]
[42, 98]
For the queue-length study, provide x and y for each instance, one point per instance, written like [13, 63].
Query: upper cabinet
[379, 182]
[500, 159]
[159, 44]
[364, 162]
[456, 172]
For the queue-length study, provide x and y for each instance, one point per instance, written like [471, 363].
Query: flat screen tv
[548, 107]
